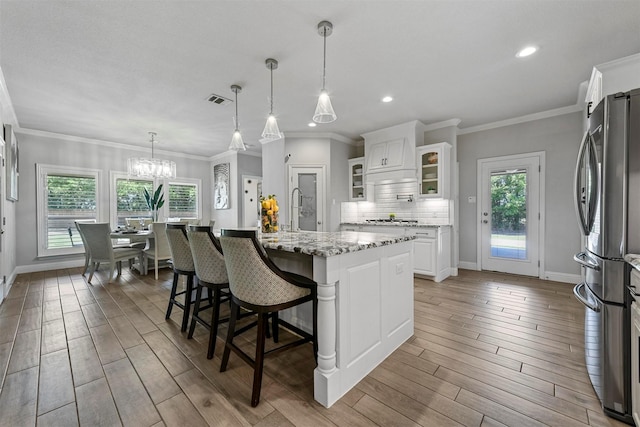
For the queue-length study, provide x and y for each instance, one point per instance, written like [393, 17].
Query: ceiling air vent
[217, 99]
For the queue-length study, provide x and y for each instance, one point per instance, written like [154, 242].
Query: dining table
[129, 237]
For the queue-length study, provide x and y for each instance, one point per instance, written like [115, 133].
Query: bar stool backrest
[207, 255]
[179, 247]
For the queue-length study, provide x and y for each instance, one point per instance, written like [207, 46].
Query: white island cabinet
[365, 300]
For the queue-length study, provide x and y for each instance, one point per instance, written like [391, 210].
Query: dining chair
[157, 247]
[87, 254]
[182, 261]
[258, 285]
[212, 274]
[98, 239]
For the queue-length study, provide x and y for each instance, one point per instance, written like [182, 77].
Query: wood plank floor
[489, 349]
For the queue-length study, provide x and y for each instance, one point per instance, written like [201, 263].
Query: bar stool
[212, 274]
[182, 265]
[257, 284]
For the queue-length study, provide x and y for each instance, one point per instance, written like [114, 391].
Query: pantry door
[308, 199]
[509, 214]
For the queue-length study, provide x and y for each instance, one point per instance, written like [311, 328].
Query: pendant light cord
[271, 110]
[324, 58]
[237, 125]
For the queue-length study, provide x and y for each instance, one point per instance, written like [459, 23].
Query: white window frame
[184, 181]
[42, 172]
[164, 211]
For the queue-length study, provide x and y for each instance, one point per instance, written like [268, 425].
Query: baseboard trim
[58, 265]
[562, 277]
[465, 265]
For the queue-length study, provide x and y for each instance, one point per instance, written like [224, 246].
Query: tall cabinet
[434, 170]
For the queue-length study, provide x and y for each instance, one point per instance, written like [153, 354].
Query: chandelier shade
[142, 167]
[324, 110]
[236, 140]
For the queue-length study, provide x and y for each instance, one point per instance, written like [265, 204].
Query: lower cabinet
[635, 353]
[431, 247]
[432, 252]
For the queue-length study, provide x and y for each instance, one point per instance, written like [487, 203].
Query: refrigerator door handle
[577, 291]
[583, 259]
[585, 197]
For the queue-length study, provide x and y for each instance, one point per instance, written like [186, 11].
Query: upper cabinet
[386, 155]
[434, 170]
[390, 152]
[356, 179]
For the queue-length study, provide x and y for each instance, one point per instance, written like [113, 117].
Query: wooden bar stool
[258, 285]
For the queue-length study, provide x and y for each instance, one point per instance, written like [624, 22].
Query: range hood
[390, 153]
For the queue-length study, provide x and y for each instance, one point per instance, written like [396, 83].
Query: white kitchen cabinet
[357, 190]
[433, 167]
[431, 247]
[386, 156]
[432, 252]
[619, 75]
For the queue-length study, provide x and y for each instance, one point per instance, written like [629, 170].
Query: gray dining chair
[157, 247]
[98, 240]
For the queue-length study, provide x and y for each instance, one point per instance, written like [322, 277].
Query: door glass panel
[308, 214]
[509, 214]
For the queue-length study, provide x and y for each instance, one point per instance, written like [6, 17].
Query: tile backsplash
[392, 198]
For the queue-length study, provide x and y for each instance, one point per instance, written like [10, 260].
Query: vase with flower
[269, 213]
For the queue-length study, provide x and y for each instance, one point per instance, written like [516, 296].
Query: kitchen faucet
[291, 207]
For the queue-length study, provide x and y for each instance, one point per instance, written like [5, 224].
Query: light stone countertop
[634, 260]
[327, 244]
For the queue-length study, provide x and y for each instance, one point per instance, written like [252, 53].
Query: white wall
[65, 151]
[559, 137]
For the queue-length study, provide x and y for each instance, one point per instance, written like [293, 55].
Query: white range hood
[390, 153]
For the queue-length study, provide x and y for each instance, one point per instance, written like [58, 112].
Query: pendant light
[142, 167]
[236, 140]
[324, 111]
[271, 131]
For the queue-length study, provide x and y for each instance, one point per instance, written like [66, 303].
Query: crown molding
[326, 135]
[522, 119]
[439, 125]
[116, 145]
[6, 106]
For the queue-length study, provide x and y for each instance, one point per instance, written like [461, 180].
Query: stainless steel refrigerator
[607, 187]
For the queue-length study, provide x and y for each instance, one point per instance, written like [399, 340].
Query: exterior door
[510, 214]
[306, 206]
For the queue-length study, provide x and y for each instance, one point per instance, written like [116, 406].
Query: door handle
[484, 221]
[581, 258]
[577, 291]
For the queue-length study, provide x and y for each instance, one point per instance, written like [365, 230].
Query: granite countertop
[634, 260]
[396, 224]
[327, 244]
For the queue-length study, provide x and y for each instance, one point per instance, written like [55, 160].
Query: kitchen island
[365, 300]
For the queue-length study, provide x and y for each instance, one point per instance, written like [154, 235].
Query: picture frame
[221, 190]
[12, 155]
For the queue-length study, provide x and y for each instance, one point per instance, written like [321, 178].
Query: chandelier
[142, 167]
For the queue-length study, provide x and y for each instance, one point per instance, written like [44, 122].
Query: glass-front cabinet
[434, 170]
[356, 179]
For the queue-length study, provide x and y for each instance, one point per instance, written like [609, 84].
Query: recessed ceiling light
[311, 124]
[387, 99]
[529, 50]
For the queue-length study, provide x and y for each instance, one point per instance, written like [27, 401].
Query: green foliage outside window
[509, 202]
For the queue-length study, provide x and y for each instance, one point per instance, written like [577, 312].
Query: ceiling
[114, 70]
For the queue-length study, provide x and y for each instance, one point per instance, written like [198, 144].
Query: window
[183, 200]
[64, 195]
[181, 196]
[130, 202]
